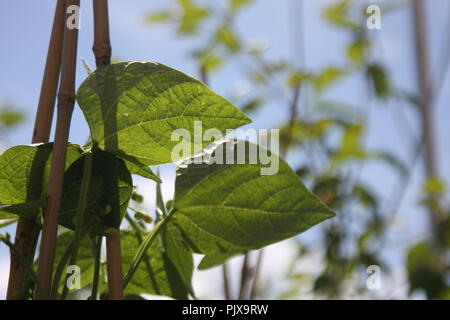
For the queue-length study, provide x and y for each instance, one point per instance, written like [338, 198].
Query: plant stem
[97, 263]
[146, 243]
[245, 277]
[226, 282]
[253, 290]
[66, 101]
[139, 233]
[43, 121]
[60, 270]
[22, 259]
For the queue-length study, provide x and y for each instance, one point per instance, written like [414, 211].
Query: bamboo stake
[66, 101]
[426, 97]
[102, 52]
[43, 121]
[114, 267]
[102, 43]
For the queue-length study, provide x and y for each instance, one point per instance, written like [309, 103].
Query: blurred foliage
[10, 117]
[326, 138]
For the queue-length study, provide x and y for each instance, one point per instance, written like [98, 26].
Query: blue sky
[24, 34]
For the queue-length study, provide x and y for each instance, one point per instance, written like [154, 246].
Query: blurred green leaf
[252, 105]
[236, 5]
[157, 17]
[350, 147]
[338, 15]
[328, 77]
[379, 79]
[356, 51]
[295, 78]
[425, 270]
[434, 186]
[10, 117]
[192, 15]
[228, 38]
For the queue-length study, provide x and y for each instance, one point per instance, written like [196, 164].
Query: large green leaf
[224, 209]
[132, 108]
[24, 174]
[110, 189]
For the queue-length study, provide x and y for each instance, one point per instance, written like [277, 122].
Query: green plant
[220, 208]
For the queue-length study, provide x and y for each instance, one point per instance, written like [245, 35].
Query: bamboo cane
[426, 108]
[102, 52]
[66, 101]
[41, 132]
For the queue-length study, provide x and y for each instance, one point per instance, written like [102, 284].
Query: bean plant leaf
[225, 209]
[179, 260]
[5, 215]
[85, 260]
[27, 209]
[158, 273]
[110, 190]
[24, 175]
[155, 275]
[133, 108]
[142, 170]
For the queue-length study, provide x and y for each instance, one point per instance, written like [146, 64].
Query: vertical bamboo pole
[66, 101]
[426, 96]
[102, 42]
[102, 51]
[43, 121]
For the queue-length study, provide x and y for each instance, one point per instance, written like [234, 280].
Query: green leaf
[24, 176]
[228, 38]
[179, 260]
[27, 210]
[328, 77]
[132, 108]
[192, 15]
[236, 5]
[142, 170]
[225, 209]
[379, 79]
[253, 105]
[85, 260]
[350, 147]
[158, 17]
[7, 222]
[163, 271]
[356, 51]
[110, 190]
[425, 270]
[216, 259]
[156, 275]
[338, 15]
[10, 118]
